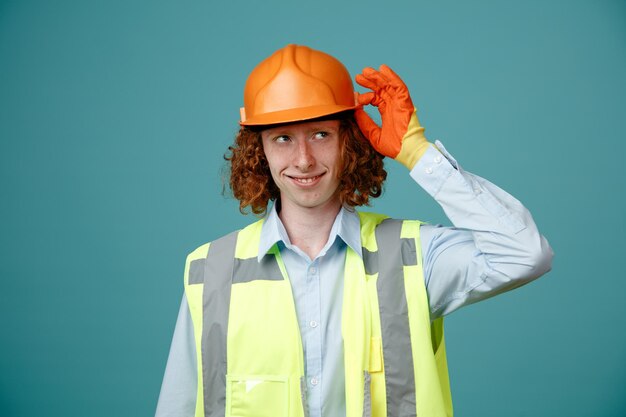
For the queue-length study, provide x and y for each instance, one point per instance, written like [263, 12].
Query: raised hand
[401, 137]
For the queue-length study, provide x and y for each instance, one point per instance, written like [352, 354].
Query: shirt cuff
[434, 168]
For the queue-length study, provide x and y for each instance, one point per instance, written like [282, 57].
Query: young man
[318, 310]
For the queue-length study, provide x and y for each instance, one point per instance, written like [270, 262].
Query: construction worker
[320, 310]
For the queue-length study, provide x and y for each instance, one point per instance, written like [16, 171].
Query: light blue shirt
[493, 247]
[317, 287]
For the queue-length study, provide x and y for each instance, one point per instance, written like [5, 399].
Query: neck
[308, 228]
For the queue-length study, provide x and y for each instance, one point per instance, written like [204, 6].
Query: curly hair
[361, 176]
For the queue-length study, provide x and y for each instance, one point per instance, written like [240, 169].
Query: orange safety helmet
[296, 83]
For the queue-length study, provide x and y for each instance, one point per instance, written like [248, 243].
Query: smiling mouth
[308, 180]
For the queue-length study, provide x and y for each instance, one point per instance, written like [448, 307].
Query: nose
[304, 159]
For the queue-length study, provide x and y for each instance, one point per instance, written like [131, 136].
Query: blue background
[114, 116]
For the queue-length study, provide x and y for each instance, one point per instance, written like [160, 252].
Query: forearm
[494, 246]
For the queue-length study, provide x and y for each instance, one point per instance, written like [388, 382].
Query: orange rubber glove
[401, 136]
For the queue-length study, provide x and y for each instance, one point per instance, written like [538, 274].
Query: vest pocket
[257, 396]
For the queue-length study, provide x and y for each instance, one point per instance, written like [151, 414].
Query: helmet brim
[295, 115]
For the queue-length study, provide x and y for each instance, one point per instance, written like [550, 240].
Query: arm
[494, 246]
[179, 387]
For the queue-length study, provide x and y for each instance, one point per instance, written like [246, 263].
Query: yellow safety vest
[249, 350]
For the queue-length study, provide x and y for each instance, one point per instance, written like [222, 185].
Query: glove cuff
[414, 143]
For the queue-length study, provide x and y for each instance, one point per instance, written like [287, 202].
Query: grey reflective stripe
[367, 395]
[251, 269]
[196, 272]
[305, 405]
[394, 320]
[370, 261]
[409, 256]
[218, 273]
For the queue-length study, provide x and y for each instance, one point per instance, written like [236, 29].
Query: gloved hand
[401, 136]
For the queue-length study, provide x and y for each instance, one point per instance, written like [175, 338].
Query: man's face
[304, 159]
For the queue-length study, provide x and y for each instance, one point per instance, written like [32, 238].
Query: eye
[321, 135]
[281, 139]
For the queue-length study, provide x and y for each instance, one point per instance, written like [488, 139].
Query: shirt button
[313, 270]
[438, 159]
[428, 170]
[314, 381]
[313, 323]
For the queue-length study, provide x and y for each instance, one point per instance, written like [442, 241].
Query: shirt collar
[347, 226]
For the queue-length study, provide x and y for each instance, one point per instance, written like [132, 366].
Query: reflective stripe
[409, 256]
[196, 272]
[370, 261]
[394, 320]
[216, 302]
[367, 394]
[246, 270]
[305, 405]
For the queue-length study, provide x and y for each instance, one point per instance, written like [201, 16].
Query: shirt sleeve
[180, 382]
[493, 247]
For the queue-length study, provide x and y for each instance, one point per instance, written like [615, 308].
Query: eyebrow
[313, 128]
